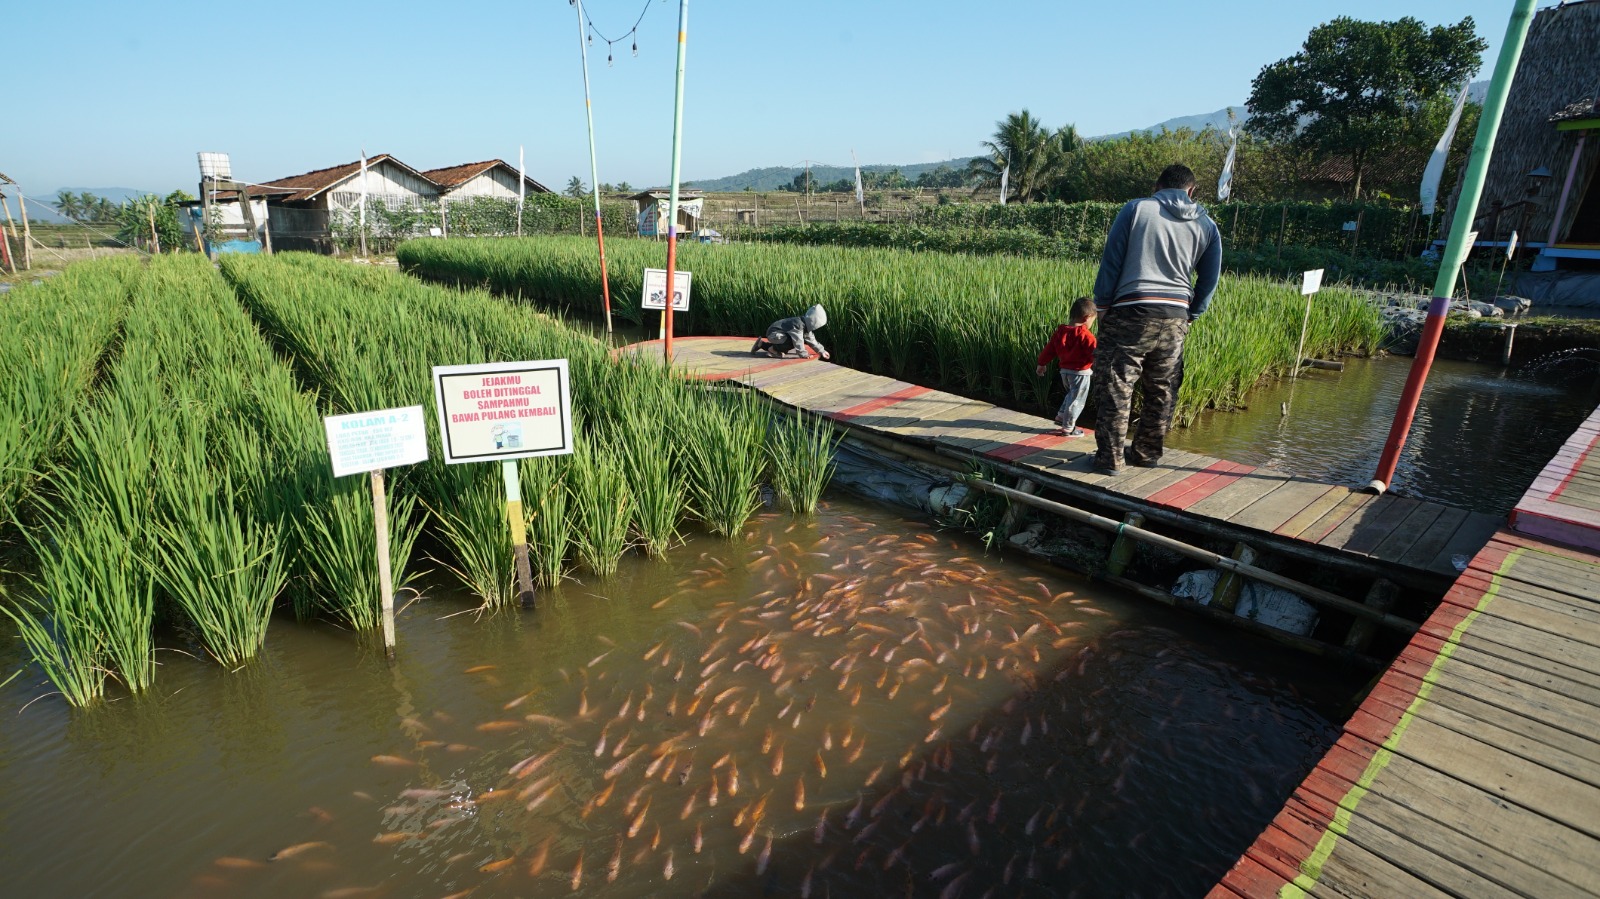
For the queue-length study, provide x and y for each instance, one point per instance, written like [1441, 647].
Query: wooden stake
[155, 239]
[380, 523]
[519, 532]
[27, 232]
[10, 259]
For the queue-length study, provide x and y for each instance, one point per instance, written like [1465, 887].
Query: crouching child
[793, 335]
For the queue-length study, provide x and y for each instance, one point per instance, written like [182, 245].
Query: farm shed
[306, 210]
[490, 178]
[651, 207]
[1542, 180]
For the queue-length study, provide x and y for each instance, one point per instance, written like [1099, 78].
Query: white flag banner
[1434, 171]
[522, 182]
[1225, 183]
[1005, 179]
[1511, 246]
[861, 196]
[361, 212]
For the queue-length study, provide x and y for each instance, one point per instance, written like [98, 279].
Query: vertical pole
[519, 532]
[361, 214]
[150, 215]
[677, 158]
[1456, 250]
[1300, 351]
[1566, 191]
[594, 173]
[380, 524]
[27, 232]
[522, 187]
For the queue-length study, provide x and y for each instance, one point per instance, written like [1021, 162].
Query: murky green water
[1480, 437]
[840, 707]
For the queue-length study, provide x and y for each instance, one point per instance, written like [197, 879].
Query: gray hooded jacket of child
[799, 330]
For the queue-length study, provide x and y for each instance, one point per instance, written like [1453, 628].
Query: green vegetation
[54, 334]
[972, 325]
[802, 460]
[389, 225]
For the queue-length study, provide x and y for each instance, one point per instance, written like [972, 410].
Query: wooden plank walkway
[1409, 541]
[1473, 766]
[1564, 502]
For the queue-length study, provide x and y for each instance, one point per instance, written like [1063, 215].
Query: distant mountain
[40, 213]
[1218, 120]
[780, 176]
[775, 177]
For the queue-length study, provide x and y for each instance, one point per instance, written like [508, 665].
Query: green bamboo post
[677, 158]
[1455, 251]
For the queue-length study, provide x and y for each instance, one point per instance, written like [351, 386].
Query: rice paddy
[963, 323]
[168, 476]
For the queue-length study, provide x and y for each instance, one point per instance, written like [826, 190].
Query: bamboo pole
[594, 176]
[677, 158]
[380, 520]
[27, 232]
[1456, 249]
[519, 532]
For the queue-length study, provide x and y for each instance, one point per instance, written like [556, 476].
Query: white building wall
[496, 182]
[385, 181]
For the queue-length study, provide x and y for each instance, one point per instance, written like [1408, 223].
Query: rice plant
[801, 449]
[544, 507]
[474, 528]
[602, 505]
[337, 535]
[967, 324]
[650, 453]
[723, 436]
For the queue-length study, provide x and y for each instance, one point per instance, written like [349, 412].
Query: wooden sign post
[1310, 283]
[371, 442]
[503, 412]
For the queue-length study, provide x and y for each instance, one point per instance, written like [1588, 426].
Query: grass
[964, 323]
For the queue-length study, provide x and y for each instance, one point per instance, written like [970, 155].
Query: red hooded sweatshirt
[1072, 346]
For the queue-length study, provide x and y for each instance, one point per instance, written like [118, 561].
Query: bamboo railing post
[1122, 547]
[1382, 597]
[1225, 595]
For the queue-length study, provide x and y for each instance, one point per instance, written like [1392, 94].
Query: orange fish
[500, 865]
[478, 669]
[577, 871]
[540, 856]
[499, 727]
[299, 849]
[393, 761]
[240, 864]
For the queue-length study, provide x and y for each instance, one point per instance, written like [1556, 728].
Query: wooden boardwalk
[1473, 767]
[1409, 541]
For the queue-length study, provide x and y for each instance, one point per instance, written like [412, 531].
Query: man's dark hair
[1178, 176]
[1082, 309]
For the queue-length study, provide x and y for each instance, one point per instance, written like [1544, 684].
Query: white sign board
[655, 289]
[1311, 282]
[1511, 246]
[368, 441]
[503, 410]
[1349, 226]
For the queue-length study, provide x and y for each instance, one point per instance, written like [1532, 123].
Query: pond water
[1480, 437]
[837, 706]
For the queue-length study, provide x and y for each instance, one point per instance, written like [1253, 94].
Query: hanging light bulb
[636, 47]
[608, 54]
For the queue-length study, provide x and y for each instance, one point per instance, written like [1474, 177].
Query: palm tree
[1036, 155]
[575, 187]
[67, 204]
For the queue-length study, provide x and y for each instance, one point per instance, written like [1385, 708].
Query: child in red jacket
[1072, 348]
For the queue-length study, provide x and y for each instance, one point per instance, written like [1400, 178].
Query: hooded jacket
[1154, 244]
[800, 330]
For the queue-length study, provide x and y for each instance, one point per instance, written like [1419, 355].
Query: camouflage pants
[1143, 351]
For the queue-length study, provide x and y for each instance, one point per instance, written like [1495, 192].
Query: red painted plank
[1180, 497]
[1166, 495]
[882, 402]
[1035, 444]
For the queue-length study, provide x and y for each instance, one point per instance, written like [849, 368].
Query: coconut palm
[1035, 154]
[67, 204]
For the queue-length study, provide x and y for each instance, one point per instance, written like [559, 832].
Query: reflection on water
[834, 707]
[1480, 437]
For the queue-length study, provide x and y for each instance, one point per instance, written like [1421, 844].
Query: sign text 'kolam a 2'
[503, 410]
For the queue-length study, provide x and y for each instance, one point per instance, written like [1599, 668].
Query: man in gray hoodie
[1146, 302]
[793, 335]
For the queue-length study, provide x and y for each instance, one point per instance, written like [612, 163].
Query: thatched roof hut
[1542, 179]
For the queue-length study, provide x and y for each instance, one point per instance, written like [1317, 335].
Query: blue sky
[123, 94]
